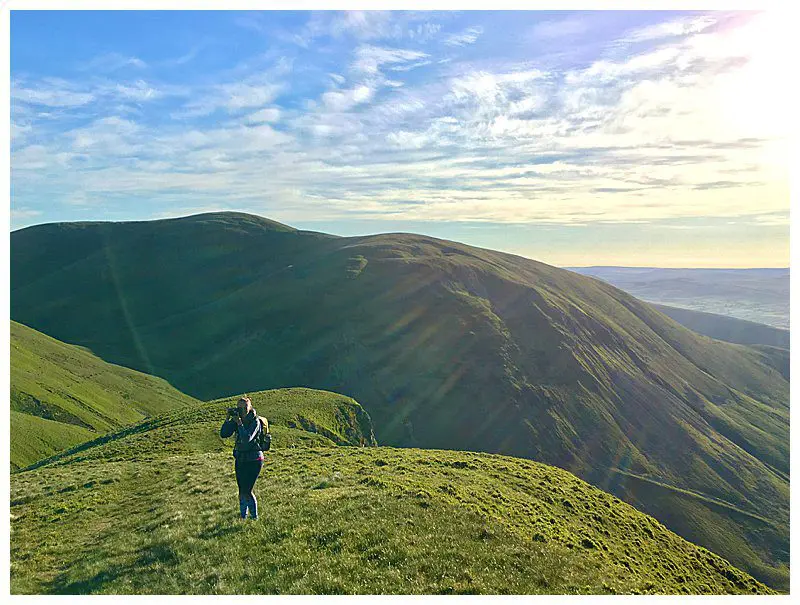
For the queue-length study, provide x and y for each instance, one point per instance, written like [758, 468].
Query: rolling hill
[151, 510]
[62, 395]
[446, 346]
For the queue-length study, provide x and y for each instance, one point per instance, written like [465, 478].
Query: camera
[233, 411]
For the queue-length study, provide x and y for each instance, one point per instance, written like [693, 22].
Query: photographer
[249, 459]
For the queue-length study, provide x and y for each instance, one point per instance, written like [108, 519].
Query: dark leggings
[246, 475]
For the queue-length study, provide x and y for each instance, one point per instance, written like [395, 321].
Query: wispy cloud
[112, 62]
[669, 29]
[375, 121]
[138, 91]
[369, 59]
[269, 114]
[23, 217]
[50, 92]
[466, 37]
[424, 32]
[342, 100]
[232, 97]
[185, 58]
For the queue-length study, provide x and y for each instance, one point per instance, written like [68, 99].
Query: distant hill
[728, 329]
[152, 510]
[446, 346]
[758, 295]
[62, 395]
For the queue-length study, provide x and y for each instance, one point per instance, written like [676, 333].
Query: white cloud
[23, 217]
[468, 36]
[343, 100]
[183, 59]
[111, 136]
[231, 97]
[669, 29]
[361, 24]
[424, 32]
[242, 96]
[487, 94]
[50, 95]
[19, 132]
[369, 59]
[418, 26]
[409, 66]
[138, 91]
[111, 62]
[268, 114]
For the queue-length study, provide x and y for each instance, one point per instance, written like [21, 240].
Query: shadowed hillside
[62, 395]
[446, 346]
[151, 510]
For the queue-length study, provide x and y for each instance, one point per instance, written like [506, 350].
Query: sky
[576, 138]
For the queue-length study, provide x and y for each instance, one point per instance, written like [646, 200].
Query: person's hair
[244, 398]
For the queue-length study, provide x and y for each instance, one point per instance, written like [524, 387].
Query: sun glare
[755, 97]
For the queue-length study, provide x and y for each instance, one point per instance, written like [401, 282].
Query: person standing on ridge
[244, 421]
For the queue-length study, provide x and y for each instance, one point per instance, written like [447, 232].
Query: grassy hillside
[729, 329]
[62, 395]
[34, 438]
[153, 510]
[445, 345]
[297, 417]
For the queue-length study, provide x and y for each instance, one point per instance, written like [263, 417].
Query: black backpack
[263, 439]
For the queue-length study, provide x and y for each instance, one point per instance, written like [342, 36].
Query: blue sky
[576, 138]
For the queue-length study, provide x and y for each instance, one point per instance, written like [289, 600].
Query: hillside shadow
[219, 532]
[121, 434]
[160, 553]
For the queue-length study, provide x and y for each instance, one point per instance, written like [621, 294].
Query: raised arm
[228, 427]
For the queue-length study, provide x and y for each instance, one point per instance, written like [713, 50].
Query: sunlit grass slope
[446, 346]
[153, 510]
[297, 417]
[62, 395]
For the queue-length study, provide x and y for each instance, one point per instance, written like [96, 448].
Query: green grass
[445, 345]
[727, 528]
[298, 417]
[34, 438]
[62, 395]
[371, 520]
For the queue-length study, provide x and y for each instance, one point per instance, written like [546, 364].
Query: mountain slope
[729, 329]
[150, 511]
[62, 395]
[445, 345]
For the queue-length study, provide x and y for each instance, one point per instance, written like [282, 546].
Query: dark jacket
[245, 448]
